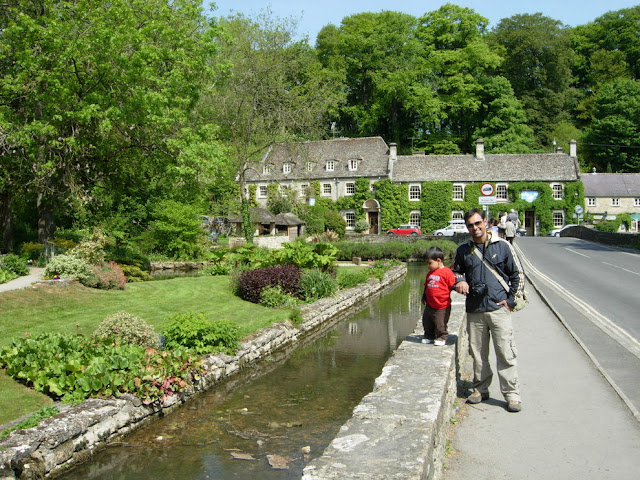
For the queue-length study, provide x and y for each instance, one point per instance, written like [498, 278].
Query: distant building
[337, 164]
[607, 195]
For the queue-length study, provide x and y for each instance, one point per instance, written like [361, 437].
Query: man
[489, 306]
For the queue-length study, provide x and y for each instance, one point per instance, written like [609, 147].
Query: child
[437, 297]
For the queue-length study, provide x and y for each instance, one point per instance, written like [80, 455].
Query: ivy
[394, 202]
[253, 201]
[436, 204]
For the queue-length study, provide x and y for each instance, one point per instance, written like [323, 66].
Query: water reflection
[240, 430]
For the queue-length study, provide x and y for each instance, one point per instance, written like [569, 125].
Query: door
[373, 223]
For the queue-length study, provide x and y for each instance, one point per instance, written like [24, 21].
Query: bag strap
[492, 270]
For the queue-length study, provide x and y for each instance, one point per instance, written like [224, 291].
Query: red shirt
[437, 287]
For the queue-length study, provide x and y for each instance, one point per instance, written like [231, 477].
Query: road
[593, 289]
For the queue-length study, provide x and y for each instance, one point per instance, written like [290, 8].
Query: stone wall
[77, 432]
[616, 239]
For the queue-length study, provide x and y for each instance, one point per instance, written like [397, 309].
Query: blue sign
[529, 195]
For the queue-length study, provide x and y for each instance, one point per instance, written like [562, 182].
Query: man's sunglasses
[477, 224]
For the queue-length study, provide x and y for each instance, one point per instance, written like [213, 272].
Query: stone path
[35, 275]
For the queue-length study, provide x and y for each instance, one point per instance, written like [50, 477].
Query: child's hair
[434, 253]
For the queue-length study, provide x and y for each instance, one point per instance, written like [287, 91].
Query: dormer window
[266, 169]
[286, 168]
[330, 165]
[309, 166]
[353, 164]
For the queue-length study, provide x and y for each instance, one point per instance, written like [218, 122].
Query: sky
[315, 14]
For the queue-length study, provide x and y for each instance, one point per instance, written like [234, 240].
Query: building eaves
[611, 184]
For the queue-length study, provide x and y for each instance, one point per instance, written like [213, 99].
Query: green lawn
[78, 310]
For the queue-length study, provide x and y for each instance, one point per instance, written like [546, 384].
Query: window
[350, 218]
[615, 202]
[326, 189]
[309, 166]
[353, 164]
[457, 215]
[350, 188]
[414, 219]
[414, 192]
[558, 219]
[266, 169]
[303, 189]
[458, 192]
[330, 165]
[636, 202]
[262, 191]
[591, 202]
[501, 192]
[557, 191]
[286, 168]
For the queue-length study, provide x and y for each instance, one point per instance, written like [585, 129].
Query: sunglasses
[477, 224]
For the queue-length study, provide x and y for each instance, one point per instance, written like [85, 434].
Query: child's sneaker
[427, 340]
[439, 343]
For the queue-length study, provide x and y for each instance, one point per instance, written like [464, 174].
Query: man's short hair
[434, 253]
[472, 212]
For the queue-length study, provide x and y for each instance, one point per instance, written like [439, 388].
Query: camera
[478, 289]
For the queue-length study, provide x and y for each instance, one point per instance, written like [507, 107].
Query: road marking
[620, 268]
[616, 332]
[577, 253]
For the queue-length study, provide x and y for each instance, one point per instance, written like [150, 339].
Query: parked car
[521, 232]
[451, 229]
[556, 232]
[405, 230]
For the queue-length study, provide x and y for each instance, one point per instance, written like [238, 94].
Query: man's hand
[462, 287]
[506, 305]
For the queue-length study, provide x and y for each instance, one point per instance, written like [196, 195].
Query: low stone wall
[367, 238]
[77, 432]
[631, 240]
[399, 430]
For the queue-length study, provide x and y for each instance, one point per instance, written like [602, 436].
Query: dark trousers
[435, 321]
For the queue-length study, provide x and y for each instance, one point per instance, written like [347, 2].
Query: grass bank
[78, 310]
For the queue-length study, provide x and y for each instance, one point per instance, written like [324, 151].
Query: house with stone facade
[335, 165]
[608, 195]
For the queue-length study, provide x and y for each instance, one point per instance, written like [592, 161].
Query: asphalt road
[594, 290]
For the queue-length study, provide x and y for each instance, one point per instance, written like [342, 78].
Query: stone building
[337, 164]
[608, 195]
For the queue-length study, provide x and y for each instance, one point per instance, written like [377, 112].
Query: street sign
[488, 200]
[486, 189]
[578, 209]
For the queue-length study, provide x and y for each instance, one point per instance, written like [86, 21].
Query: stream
[269, 426]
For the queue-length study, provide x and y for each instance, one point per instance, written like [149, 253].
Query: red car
[405, 230]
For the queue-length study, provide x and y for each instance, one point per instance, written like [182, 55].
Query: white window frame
[286, 167]
[502, 192]
[591, 202]
[457, 215]
[558, 191]
[415, 219]
[615, 202]
[303, 189]
[414, 193]
[309, 166]
[326, 189]
[636, 202]
[266, 169]
[558, 218]
[350, 218]
[330, 165]
[353, 164]
[350, 188]
[263, 191]
[458, 192]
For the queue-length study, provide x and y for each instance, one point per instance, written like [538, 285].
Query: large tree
[98, 94]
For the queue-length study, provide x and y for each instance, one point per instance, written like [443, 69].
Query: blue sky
[313, 15]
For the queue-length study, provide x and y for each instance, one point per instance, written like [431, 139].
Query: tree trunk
[46, 227]
[6, 222]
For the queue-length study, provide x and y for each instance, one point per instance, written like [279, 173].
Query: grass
[78, 310]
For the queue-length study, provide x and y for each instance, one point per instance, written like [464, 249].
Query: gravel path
[35, 275]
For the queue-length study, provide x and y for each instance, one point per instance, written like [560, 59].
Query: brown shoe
[514, 406]
[477, 397]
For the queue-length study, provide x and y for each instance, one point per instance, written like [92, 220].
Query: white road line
[616, 332]
[620, 268]
[577, 253]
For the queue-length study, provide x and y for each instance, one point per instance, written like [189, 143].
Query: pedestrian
[476, 267]
[437, 298]
[510, 231]
[502, 224]
[493, 225]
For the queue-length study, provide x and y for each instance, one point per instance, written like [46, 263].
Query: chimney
[573, 149]
[480, 149]
[393, 151]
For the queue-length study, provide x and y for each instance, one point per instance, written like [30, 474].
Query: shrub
[611, 226]
[251, 283]
[67, 266]
[92, 249]
[126, 328]
[272, 296]
[6, 276]
[14, 263]
[362, 226]
[348, 279]
[106, 276]
[316, 284]
[32, 250]
[334, 221]
[134, 273]
[200, 335]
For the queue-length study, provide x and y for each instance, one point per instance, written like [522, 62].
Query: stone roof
[611, 184]
[264, 216]
[495, 168]
[371, 153]
[288, 219]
